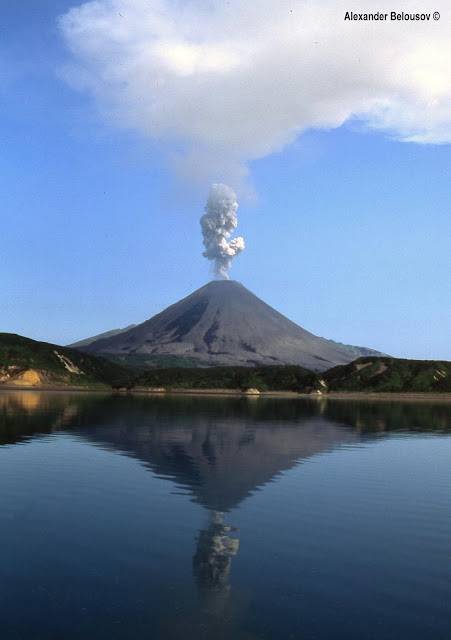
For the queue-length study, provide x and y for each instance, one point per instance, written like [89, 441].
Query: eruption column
[217, 224]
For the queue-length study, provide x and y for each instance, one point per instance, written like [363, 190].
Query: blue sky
[347, 230]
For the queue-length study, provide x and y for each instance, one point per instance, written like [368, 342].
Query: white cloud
[228, 82]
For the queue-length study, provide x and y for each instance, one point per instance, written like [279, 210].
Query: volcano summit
[223, 323]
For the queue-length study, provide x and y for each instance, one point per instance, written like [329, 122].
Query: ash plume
[218, 223]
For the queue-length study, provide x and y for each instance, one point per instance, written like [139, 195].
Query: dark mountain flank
[357, 352]
[106, 334]
[223, 323]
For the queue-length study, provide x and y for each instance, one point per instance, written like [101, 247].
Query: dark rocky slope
[223, 323]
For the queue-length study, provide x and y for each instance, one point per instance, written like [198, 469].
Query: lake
[165, 517]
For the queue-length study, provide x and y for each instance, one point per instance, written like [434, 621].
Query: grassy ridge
[393, 375]
[19, 354]
[366, 374]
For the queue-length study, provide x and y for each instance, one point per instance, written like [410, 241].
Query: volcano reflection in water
[219, 450]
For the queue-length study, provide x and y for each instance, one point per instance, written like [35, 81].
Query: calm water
[192, 517]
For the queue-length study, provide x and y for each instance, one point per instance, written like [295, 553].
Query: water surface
[229, 518]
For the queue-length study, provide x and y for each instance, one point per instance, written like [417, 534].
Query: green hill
[25, 362]
[28, 363]
[390, 375]
[366, 374]
[266, 378]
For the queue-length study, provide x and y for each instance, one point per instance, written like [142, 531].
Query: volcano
[223, 323]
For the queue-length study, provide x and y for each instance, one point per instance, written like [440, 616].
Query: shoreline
[338, 395]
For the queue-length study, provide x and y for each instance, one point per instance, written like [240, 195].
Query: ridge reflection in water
[219, 451]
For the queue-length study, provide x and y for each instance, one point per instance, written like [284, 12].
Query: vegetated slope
[269, 378]
[25, 362]
[371, 375]
[390, 375]
[223, 323]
